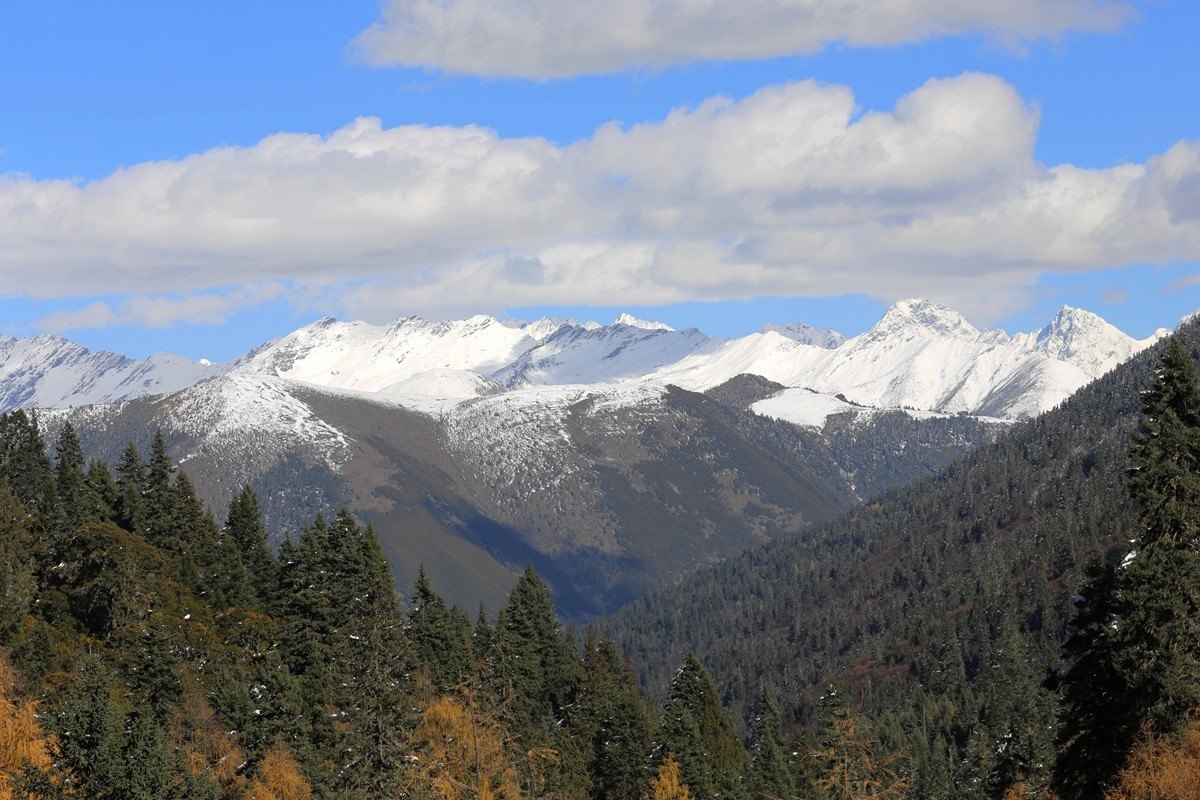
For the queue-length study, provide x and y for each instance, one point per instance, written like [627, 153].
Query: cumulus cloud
[790, 191]
[551, 39]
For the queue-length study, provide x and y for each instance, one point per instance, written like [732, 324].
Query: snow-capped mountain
[807, 334]
[920, 355]
[619, 352]
[411, 352]
[644, 324]
[1086, 340]
[924, 356]
[51, 372]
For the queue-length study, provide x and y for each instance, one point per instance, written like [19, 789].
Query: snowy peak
[1086, 340]
[827, 339]
[644, 324]
[49, 371]
[923, 319]
[542, 329]
[374, 358]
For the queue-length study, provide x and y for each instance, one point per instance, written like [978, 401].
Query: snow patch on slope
[803, 407]
[252, 422]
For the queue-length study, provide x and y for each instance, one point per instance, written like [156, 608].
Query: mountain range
[920, 356]
[613, 458]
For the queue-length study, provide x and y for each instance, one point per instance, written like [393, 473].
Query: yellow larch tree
[22, 740]
[668, 784]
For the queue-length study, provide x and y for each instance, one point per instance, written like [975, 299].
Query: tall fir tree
[25, 466]
[1097, 724]
[441, 643]
[723, 762]
[611, 724]
[770, 775]
[130, 506]
[89, 733]
[70, 478]
[376, 691]
[1157, 641]
[103, 493]
[244, 530]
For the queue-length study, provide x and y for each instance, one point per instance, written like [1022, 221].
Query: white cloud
[150, 311]
[551, 38]
[790, 191]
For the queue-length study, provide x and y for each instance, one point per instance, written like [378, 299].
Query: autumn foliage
[279, 778]
[668, 784]
[1162, 768]
[463, 753]
[22, 740]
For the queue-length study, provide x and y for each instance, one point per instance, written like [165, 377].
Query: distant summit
[645, 324]
[807, 334]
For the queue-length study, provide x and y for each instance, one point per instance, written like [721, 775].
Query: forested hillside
[606, 497]
[909, 650]
[148, 652]
[939, 608]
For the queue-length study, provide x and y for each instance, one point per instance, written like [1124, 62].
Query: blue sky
[90, 91]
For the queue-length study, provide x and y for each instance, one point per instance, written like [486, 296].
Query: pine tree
[148, 764]
[611, 724]
[1096, 727]
[719, 767]
[25, 467]
[89, 732]
[535, 657]
[130, 506]
[71, 479]
[1157, 641]
[160, 508]
[279, 777]
[376, 692]
[854, 765]
[438, 638]
[103, 494]
[770, 775]
[244, 530]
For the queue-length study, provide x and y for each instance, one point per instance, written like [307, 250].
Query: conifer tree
[1157, 644]
[1096, 723]
[193, 542]
[668, 784]
[722, 760]
[130, 506]
[148, 764]
[440, 641]
[611, 724]
[770, 775]
[70, 478]
[160, 507]
[245, 531]
[103, 494]
[535, 657]
[376, 695]
[25, 467]
[89, 733]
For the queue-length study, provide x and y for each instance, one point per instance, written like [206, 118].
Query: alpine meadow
[643, 400]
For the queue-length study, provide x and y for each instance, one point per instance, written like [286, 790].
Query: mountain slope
[51, 372]
[609, 491]
[918, 599]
